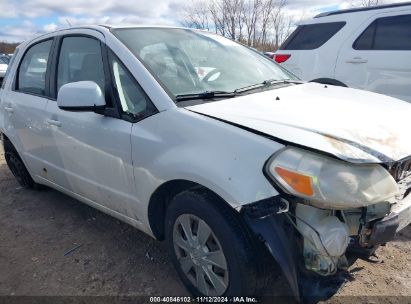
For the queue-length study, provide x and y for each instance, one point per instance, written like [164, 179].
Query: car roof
[111, 26]
[100, 28]
[140, 26]
[363, 9]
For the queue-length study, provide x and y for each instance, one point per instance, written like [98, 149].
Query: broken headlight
[329, 183]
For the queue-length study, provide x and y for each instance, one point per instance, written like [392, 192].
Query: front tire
[212, 249]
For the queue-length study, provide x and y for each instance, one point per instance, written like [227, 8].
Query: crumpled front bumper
[268, 222]
[403, 210]
[385, 229]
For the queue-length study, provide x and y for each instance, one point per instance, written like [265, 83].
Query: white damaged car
[202, 142]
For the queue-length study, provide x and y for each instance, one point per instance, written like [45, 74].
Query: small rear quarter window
[312, 36]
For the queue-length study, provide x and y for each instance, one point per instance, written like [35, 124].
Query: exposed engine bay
[329, 233]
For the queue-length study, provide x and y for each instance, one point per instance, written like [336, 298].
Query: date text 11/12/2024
[203, 300]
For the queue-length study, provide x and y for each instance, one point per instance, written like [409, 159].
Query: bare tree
[232, 18]
[217, 9]
[369, 2]
[266, 12]
[250, 16]
[240, 20]
[365, 3]
[283, 26]
[280, 23]
[258, 23]
[196, 15]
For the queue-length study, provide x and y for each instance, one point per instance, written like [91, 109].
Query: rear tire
[201, 228]
[17, 167]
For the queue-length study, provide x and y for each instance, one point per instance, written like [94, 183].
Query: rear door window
[388, 33]
[312, 36]
[366, 39]
[33, 68]
[393, 33]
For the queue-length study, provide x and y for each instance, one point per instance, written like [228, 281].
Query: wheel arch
[162, 196]
[9, 138]
[4, 138]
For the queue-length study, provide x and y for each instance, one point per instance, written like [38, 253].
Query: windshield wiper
[267, 83]
[224, 94]
[206, 95]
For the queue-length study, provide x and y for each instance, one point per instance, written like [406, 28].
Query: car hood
[353, 125]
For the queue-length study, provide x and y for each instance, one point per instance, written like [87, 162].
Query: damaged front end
[327, 209]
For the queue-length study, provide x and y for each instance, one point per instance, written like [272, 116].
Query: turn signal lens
[299, 182]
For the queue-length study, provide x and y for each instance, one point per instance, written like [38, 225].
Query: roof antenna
[68, 22]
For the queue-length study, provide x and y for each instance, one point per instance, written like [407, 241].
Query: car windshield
[193, 62]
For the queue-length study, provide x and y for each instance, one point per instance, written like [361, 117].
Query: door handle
[357, 60]
[53, 122]
[8, 109]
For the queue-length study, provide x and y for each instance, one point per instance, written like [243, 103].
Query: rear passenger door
[91, 154]
[24, 103]
[378, 57]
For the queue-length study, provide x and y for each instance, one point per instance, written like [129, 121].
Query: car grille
[401, 169]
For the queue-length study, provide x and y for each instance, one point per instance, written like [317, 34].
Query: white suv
[367, 48]
[200, 141]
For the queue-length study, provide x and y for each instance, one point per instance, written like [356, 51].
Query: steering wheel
[211, 74]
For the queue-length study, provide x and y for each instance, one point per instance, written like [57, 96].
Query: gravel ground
[38, 229]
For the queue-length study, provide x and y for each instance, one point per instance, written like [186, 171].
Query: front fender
[180, 145]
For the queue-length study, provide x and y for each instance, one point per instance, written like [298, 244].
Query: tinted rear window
[312, 36]
[366, 39]
[388, 33]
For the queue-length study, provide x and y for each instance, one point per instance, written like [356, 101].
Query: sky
[24, 19]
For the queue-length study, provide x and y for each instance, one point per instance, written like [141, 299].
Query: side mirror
[81, 96]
